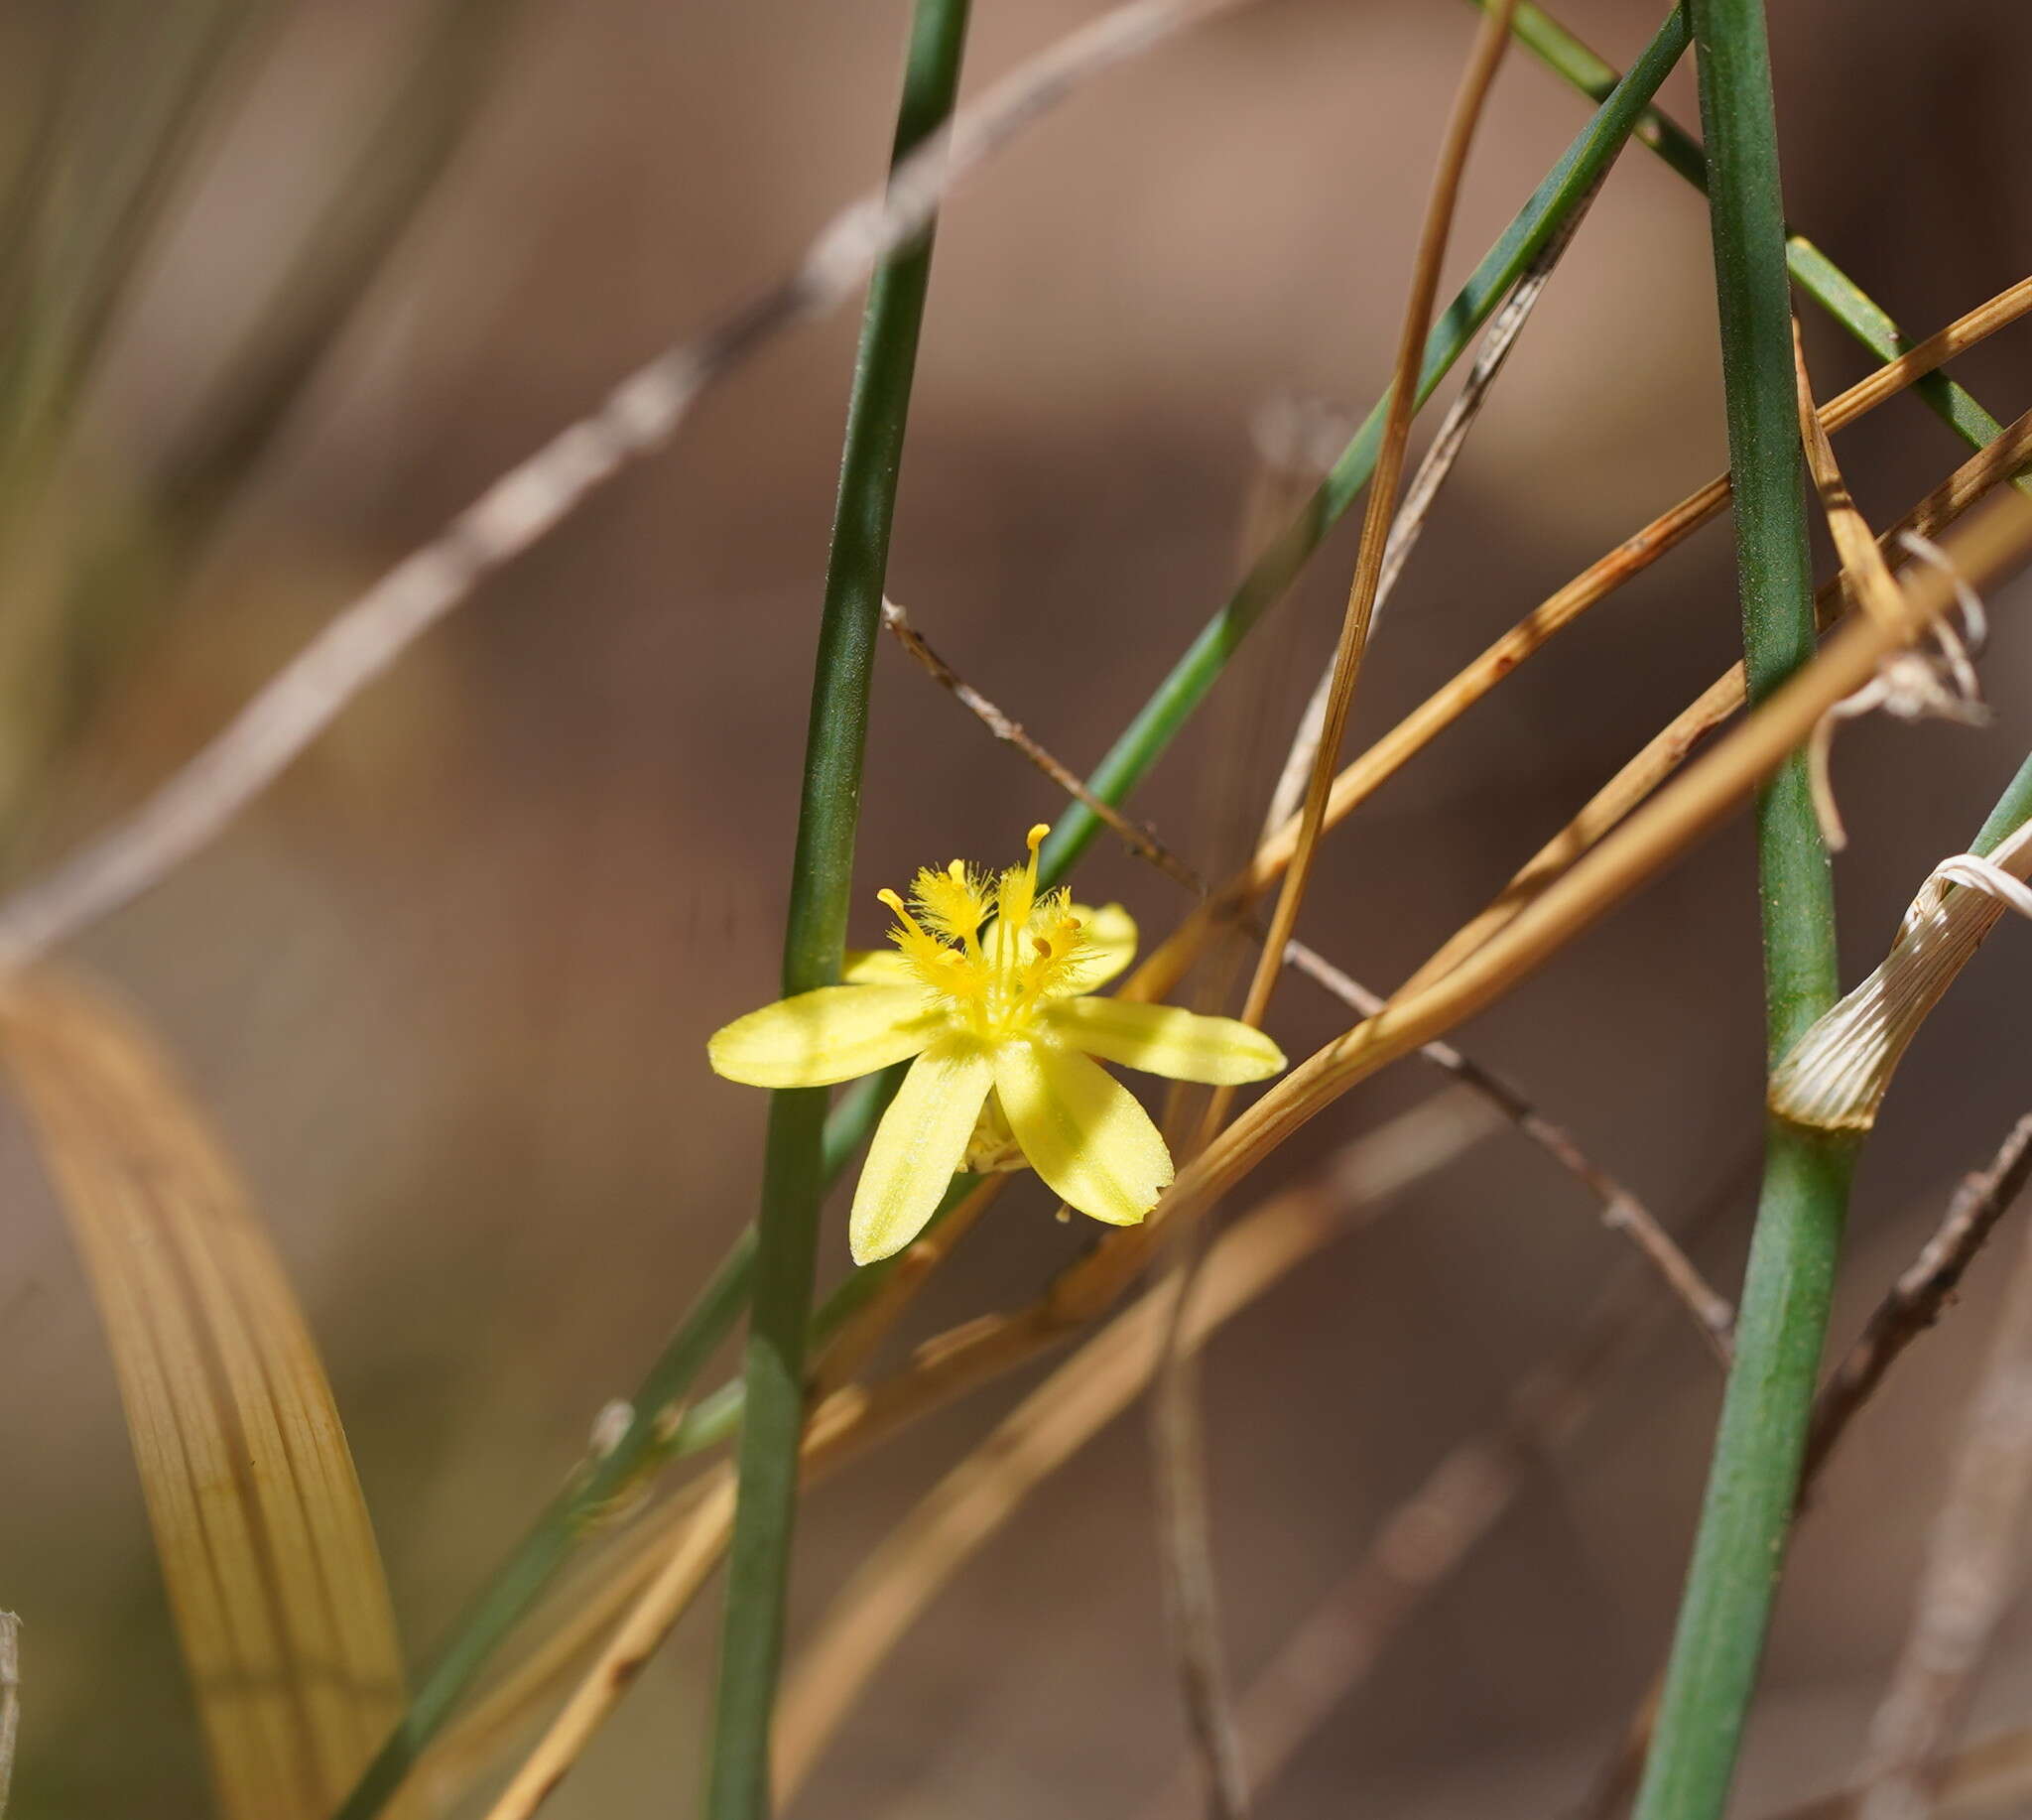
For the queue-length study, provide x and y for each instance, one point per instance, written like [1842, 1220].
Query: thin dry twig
[1971, 1572]
[641, 414]
[1185, 1535]
[1433, 471]
[1140, 841]
[1621, 1210]
[1288, 470]
[1920, 1295]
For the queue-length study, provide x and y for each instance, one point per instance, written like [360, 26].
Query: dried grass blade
[266, 1547]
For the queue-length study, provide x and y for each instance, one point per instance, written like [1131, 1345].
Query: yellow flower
[987, 988]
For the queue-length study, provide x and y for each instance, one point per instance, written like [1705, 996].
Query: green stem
[1753, 1476]
[1812, 270]
[822, 877]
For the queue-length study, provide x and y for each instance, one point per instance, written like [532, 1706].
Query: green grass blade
[1753, 1476]
[1812, 270]
[2013, 810]
[1145, 739]
[793, 1181]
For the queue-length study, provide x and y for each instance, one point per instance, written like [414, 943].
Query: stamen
[902, 912]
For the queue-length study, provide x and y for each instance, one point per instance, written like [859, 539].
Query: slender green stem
[822, 877]
[1812, 270]
[1753, 1476]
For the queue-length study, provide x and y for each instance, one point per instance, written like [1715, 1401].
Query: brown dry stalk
[1433, 469]
[1248, 1259]
[1863, 569]
[1491, 39]
[1863, 563]
[266, 1548]
[1360, 779]
[1988, 467]
[1971, 1572]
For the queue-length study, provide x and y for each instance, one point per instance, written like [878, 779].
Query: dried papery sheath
[1835, 1076]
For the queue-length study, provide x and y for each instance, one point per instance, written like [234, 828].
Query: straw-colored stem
[1475, 84]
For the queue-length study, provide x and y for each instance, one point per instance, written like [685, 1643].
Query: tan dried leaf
[273, 1575]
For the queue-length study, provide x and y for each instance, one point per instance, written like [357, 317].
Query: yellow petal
[1083, 1131]
[876, 967]
[919, 1143]
[1108, 936]
[818, 1038]
[1165, 1040]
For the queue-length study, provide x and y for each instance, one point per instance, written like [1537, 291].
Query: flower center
[991, 954]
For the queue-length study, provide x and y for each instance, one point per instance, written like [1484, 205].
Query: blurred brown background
[448, 989]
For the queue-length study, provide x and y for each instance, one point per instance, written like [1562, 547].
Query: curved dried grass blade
[273, 1574]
